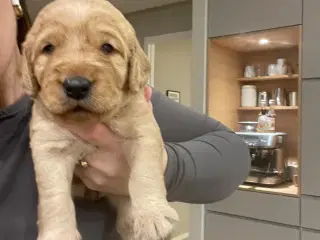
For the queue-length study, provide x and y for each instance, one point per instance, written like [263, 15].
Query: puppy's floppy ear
[29, 81]
[139, 68]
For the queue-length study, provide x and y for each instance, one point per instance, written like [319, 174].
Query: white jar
[248, 96]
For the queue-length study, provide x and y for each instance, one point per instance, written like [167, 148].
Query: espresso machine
[268, 157]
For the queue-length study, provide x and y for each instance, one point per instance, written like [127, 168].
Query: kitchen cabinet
[268, 207]
[310, 212]
[310, 136]
[227, 17]
[222, 227]
[309, 235]
[311, 38]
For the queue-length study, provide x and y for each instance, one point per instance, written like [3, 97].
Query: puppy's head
[82, 57]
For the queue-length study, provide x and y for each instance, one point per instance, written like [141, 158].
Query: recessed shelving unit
[227, 58]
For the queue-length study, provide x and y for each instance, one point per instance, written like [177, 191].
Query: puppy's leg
[130, 226]
[54, 162]
[56, 214]
[146, 215]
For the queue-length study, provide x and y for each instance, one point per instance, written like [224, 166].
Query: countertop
[287, 189]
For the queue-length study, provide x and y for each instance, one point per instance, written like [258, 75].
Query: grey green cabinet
[310, 212]
[222, 227]
[310, 235]
[311, 39]
[310, 138]
[267, 207]
[227, 17]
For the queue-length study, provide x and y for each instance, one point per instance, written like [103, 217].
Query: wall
[162, 20]
[172, 68]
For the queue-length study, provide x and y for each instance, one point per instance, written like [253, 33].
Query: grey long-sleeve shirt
[206, 163]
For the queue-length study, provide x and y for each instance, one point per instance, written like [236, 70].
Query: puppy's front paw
[153, 223]
[72, 235]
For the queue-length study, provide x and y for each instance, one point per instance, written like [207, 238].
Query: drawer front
[308, 235]
[227, 17]
[310, 212]
[311, 38]
[221, 227]
[310, 132]
[261, 206]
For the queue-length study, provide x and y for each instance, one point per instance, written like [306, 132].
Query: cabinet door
[310, 136]
[311, 38]
[268, 207]
[231, 17]
[221, 227]
[308, 235]
[310, 212]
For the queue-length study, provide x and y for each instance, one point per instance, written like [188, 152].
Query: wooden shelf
[277, 108]
[269, 78]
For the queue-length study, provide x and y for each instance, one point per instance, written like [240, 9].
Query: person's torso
[18, 190]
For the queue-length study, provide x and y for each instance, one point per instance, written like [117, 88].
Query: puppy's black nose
[77, 87]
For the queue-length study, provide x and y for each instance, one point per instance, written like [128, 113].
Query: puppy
[83, 63]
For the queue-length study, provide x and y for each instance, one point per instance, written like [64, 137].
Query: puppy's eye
[48, 49]
[107, 48]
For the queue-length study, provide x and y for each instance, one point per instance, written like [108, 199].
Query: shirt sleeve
[206, 161]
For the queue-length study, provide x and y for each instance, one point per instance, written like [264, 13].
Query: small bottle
[262, 117]
[271, 116]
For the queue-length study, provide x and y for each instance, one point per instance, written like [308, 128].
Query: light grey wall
[172, 68]
[162, 20]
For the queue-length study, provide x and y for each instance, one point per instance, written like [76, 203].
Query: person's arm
[206, 160]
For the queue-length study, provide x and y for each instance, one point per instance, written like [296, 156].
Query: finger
[108, 163]
[97, 179]
[108, 185]
[148, 93]
[98, 134]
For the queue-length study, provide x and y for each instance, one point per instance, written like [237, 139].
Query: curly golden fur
[66, 40]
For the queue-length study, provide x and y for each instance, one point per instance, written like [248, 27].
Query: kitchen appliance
[268, 158]
[248, 96]
[279, 96]
[248, 126]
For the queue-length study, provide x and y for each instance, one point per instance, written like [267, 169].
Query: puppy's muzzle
[77, 87]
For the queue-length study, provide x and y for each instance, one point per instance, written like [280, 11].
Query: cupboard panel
[307, 235]
[310, 212]
[227, 17]
[310, 135]
[221, 227]
[311, 38]
[261, 206]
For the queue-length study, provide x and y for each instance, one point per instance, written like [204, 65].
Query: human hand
[107, 169]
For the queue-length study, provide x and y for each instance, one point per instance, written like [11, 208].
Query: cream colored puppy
[83, 63]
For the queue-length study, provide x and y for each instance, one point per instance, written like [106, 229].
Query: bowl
[248, 126]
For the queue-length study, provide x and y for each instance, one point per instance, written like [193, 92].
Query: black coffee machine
[268, 158]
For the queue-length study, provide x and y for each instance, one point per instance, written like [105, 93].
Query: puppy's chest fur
[131, 123]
